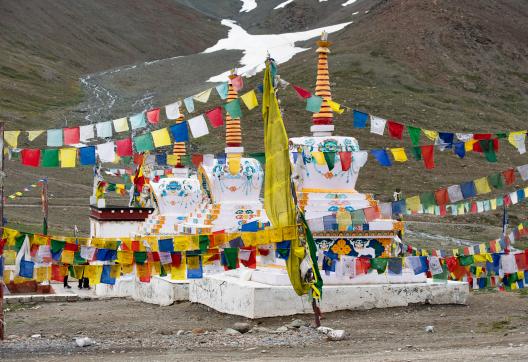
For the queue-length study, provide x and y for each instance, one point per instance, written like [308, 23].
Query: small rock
[242, 327]
[336, 335]
[258, 329]
[232, 332]
[36, 336]
[12, 336]
[442, 315]
[263, 351]
[165, 332]
[324, 330]
[298, 323]
[198, 331]
[83, 341]
[429, 329]
[282, 329]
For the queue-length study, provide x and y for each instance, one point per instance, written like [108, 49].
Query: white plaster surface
[232, 295]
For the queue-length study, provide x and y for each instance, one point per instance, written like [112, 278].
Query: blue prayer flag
[468, 189]
[166, 245]
[180, 132]
[26, 268]
[382, 157]
[87, 156]
[460, 149]
[447, 138]
[105, 275]
[283, 249]
[161, 159]
[194, 267]
[360, 119]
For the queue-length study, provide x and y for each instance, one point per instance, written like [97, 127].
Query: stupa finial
[322, 120]
[233, 130]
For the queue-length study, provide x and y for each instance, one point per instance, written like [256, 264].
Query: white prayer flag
[173, 110]
[198, 126]
[377, 125]
[455, 193]
[86, 132]
[106, 152]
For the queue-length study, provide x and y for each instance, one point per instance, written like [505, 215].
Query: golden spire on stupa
[322, 86]
[233, 130]
[179, 147]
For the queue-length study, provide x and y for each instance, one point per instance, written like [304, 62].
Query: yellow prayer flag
[193, 262]
[125, 257]
[10, 235]
[179, 273]
[233, 162]
[399, 154]
[482, 258]
[9, 257]
[413, 203]
[11, 138]
[34, 134]
[275, 235]
[156, 267]
[78, 271]
[181, 243]
[432, 135]
[172, 160]
[482, 186]
[161, 137]
[40, 239]
[482, 248]
[7, 276]
[68, 157]
[67, 257]
[263, 237]
[93, 273]
[41, 274]
[289, 232]
[460, 209]
[336, 107]
[468, 146]
[127, 268]
[203, 96]
[493, 204]
[250, 99]
[249, 238]
[319, 157]
[115, 271]
[120, 124]
[512, 137]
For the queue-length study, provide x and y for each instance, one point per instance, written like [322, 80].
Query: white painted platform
[161, 290]
[233, 295]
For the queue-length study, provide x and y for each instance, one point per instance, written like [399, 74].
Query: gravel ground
[493, 325]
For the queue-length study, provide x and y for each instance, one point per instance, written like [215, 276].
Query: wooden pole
[44, 198]
[2, 178]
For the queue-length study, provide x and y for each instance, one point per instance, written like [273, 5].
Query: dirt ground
[492, 326]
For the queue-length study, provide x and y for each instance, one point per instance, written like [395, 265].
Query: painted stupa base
[161, 291]
[237, 293]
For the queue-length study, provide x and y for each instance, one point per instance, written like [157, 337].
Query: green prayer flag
[111, 187]
[259, 156]
[57, 245]
[417, 153]
[501, 135]
[442, 277]
[140, 257]
[186, 160]
[50, 157]
[163, 273]
[414, 133]
[487, 149]
[19, 240]
[358, 217]
[500, 201]
[143, 143]
[379, 264]
[495, 180]
[427, 199]
[330, 159]
[203, 242]
[233, 108]
[126, 160]
[465, 260]
[313, 104]
[77, 258]
[231, 257]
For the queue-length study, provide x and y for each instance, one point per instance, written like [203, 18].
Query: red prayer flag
[482, 136]
[443, 210]
[442, 197]
[237, 83]
[197, 160]
[362, 265]
[124, 147]
[71, 247]
[303, 93]
[520, 260]
[395, 129]
[509, 176]
[215, 117]
[56, 273]
[153, 115]
[138, 158]
[251, 262]
[30, 157]
[507, 200]
[474, 208]
[451, 263]
[428, 156]
[371, 213]
[72, 136]
[346, 160]
[176, 259]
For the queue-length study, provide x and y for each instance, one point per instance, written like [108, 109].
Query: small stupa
[233, 184]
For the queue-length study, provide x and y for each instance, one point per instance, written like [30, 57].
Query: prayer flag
[11, 138]
[303, 93]
[382, 157]
[379, 264]
[86, 133]
[72, 136]
[87, 156]
[143, 143]
[487, 148]
[161, 137]
[346, 160]
[215, 117]
[360, 119]
[222, 90]
[194, 266]
[336, 107]
[138, 121]
[32, 135]
[460, 149]
[30, 157]
[104, 129]
[172, 110]
[417, 152]
[446, 139]
[106, 152]
[124, 147]
[523, 171]
[198, 125]
[432, 135]
[237, 83]
[413, 203]
[509, 176]
[203, 97]
[54, 138]
[395, 129]
[455, 193]
[250, 99]
[120, 124]
[428, 156]
[313, 104]
[189, 104]
[377, 125]
[468, 189]
[26, 268]
[482, 186]
[414, 134]
[427, 199]
[399, 154]
[153, 115]
[395, 266]
[180, 132]
[441, 196]
[50, 158]
[233, 108]
[68, 157]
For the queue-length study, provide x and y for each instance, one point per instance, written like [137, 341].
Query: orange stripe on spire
[322, 85]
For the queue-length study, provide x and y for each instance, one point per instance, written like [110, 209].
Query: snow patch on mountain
[255, 48]
[281, 5]
[248, 5]
[349, 2]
